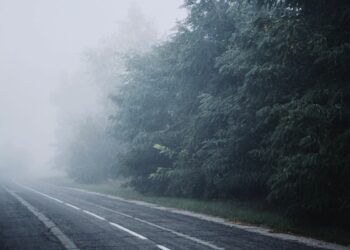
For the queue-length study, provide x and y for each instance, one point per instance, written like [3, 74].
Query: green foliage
[248, 99]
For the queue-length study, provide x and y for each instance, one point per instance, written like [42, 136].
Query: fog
[233, 108]
[43, 77]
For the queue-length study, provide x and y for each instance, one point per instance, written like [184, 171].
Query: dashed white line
[59, 201]
[162, 247]
[47, 196]
[128, 231]
[72, 206]
[188, 237]
[94, 215]
[66, 242]
[198, 241]
[249, 228]
[88, 212]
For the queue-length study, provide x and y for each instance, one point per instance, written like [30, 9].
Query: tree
[89, 154]
[85, 147]
[247, 100]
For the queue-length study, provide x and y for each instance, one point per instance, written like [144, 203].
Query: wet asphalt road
[90, 221]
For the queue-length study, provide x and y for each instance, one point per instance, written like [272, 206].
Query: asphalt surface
[44, 216]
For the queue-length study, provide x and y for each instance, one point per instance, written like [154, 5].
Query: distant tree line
[249, 99]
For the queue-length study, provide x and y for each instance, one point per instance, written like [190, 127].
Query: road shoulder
[255, 229]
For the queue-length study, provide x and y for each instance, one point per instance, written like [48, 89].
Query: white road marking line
[90, 213]
[128, 231]
[253, 229]
[194, 239]
[191, 238]
[162, 247]
[198, 241]
[59, 201]
[66, 242]
[72, 206]
[47, 196]
[94, 215]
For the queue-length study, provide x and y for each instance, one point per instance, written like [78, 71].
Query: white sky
[42, 39]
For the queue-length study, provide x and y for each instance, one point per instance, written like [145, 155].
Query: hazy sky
[41, 40]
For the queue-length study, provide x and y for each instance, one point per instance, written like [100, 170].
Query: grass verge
[252, 213]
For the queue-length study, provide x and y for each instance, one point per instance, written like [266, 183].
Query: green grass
[252, 213]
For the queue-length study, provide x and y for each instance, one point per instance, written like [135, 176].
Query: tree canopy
[249, 99]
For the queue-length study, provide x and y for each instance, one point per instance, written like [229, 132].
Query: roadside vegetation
[246, 107]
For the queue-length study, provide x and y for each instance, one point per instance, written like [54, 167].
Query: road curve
[44, 216]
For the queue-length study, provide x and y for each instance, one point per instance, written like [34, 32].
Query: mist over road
[43, 216]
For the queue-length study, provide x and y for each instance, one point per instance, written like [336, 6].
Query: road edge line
[54, 229]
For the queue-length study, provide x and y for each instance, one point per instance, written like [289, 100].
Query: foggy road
[43, 216]
[234, 108]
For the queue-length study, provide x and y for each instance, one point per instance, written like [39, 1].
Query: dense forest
[248, 99]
